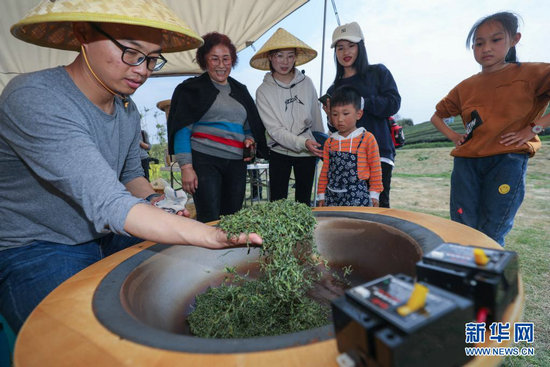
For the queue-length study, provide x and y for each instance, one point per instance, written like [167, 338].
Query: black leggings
[221, 187]
[280, 166]
[386, 181]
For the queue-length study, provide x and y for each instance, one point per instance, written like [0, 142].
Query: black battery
[492, 286]
[372, 332]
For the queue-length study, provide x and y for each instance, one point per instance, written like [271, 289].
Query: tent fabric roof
[244, 21]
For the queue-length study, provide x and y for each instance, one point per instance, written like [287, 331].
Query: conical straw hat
[281, 39]
[49, 24]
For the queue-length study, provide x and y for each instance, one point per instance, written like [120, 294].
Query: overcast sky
[422, 42]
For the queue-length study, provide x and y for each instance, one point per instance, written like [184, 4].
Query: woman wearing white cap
[72, 189]
[288, 106]
[378, 89]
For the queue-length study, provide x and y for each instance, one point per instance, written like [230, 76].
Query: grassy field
[421, 182]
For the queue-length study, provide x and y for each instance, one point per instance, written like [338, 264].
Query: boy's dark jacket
[382, 100]
[194, 96]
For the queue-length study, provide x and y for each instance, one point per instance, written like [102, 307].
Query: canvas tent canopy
[244, 21]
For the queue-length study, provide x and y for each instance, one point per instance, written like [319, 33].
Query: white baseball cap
[349, 32]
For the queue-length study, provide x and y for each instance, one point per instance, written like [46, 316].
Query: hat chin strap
[124, 98]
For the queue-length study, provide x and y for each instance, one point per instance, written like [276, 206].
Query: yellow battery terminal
[416, 301]
[480, 257]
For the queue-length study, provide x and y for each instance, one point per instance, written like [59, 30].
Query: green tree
[161, 132]
[143, 117]
[159, 150]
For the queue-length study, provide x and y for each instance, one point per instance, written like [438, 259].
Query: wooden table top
[63, 331]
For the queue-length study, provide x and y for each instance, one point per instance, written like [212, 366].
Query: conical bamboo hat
[282, 39]
[49, 24]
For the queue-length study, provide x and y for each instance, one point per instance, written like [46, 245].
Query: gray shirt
[63, 162]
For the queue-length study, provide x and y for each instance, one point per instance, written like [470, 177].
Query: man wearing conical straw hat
[287, 103]
[72, 188]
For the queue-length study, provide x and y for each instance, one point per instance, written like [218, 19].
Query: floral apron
[344, 186]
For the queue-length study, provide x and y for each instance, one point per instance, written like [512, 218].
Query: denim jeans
[487, 192]
[29, 273]
[222, 185]
[280, 166]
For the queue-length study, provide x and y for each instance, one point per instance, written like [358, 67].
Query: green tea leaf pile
[277, 302]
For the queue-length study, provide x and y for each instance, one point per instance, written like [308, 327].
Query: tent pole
[320, 93]
[323, 48]
[336, 13]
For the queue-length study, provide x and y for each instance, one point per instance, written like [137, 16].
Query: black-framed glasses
[131, 56]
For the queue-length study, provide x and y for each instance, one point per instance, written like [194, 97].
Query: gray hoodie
[290, 113]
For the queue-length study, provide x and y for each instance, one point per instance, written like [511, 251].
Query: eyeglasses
[215, 60]
[131, 56]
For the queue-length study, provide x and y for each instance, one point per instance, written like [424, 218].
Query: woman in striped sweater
[212, 120]
[351, 173]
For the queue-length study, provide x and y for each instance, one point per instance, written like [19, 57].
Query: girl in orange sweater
[351, 173]
[501, 107]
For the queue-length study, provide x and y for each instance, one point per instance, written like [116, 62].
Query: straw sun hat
[49, 24]
[281, 40]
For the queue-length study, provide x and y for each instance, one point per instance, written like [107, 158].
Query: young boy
[351, 173]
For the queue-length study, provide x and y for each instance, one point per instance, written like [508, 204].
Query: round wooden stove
[129, 309]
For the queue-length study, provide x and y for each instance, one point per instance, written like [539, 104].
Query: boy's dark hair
[509, 22]
[345, 95]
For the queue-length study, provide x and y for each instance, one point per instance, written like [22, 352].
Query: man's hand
[154, 224]
[241, 240]
[375, 203]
